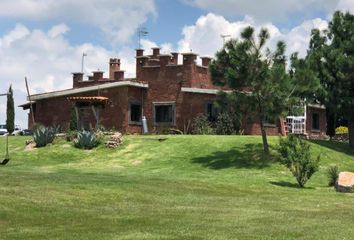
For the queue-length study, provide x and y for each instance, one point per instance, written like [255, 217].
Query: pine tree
[244, 65]
[10, 112]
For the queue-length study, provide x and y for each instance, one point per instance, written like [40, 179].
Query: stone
[345, 182]
[115, 140]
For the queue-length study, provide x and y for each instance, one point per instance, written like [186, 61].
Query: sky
[44, 40]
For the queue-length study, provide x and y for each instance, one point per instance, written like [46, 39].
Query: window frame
[171, 103]
[130, 112]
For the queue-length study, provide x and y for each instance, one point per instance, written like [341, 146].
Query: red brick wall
[323, 124]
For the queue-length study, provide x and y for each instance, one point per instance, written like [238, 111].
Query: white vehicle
[3, 129]
[17, 130]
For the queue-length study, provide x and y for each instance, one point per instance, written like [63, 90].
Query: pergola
[95, 103]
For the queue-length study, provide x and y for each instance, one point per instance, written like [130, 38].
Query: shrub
[70, 136]
[295, 155]
[86, 140]
[227, 124]
[341, 130]
[43, 135]
[202, 126]
[332, 174]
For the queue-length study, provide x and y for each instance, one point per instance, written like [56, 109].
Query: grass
[187, 187]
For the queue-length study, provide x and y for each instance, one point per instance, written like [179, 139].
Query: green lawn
[187, 187]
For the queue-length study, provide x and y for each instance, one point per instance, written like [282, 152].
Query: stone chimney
[97, 75]
[77, 77]
[119, 75]
[114, 65]
[175, 57]
[205, 61]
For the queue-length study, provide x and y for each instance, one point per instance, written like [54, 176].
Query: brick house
[166, 93]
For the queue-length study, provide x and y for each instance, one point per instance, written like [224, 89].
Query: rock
[345, 182]
[115, 140]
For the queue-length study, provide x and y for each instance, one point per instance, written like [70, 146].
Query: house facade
[167, 94]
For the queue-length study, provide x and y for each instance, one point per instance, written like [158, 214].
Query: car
[3, 129]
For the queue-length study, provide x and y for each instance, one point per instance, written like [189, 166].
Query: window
[212, 112]
[164, 113]
[315, 121]
[135, 113]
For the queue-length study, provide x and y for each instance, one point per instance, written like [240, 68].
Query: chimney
[175, 57]
[114, 65]
[205, 61]
[189, 58]
[141, 61]
[77, 77]
[97, 75]
[165, 59]
[155, 52]
[139, 52]
[119, 75]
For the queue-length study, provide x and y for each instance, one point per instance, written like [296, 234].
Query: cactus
[43, 136]
[86, 140]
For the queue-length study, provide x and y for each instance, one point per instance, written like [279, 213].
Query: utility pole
[142, 32]
[224, 36]
[82, 61]
[30, 102]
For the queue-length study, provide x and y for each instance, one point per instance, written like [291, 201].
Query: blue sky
[44, 40]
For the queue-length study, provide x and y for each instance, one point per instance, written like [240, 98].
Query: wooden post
[29, 99]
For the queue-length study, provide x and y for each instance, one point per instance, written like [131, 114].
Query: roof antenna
[82, 61]
[224, 36]
[142, 32]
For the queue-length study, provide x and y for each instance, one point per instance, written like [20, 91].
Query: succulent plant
[43, 136]
[86, 140]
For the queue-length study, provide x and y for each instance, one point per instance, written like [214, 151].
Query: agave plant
[43, 136]
[86, 140]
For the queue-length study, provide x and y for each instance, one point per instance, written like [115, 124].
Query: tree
[331, 56]
[73, 120]
[10, 112]
[256, 75]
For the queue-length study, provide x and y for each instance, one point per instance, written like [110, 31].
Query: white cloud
[47, 59]
[118, 19]
[275, 10]
[346, 5]
[204, 37]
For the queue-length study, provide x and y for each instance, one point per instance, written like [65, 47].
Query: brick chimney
[77, 77]
[97, 75]
[114, 65]
[155, 52]
[175, 57]
[139, 52]
[165, 59]
[189, 58]
[119, 75]
[205, 61]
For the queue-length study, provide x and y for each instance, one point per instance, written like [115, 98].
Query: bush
[332, 174]
[295, 155]
[341, 130]
[202, 126]
[43, 135]
[70, 136]
[227, 124]
[86, 140]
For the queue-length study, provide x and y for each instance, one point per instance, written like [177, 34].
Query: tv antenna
[142, 32]
[224, 37]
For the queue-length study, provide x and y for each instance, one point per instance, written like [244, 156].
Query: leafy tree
[331, 56]
[257, 76]
[10, 112]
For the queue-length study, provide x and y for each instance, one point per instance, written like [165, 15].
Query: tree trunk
[264, 138]
[351, 132]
